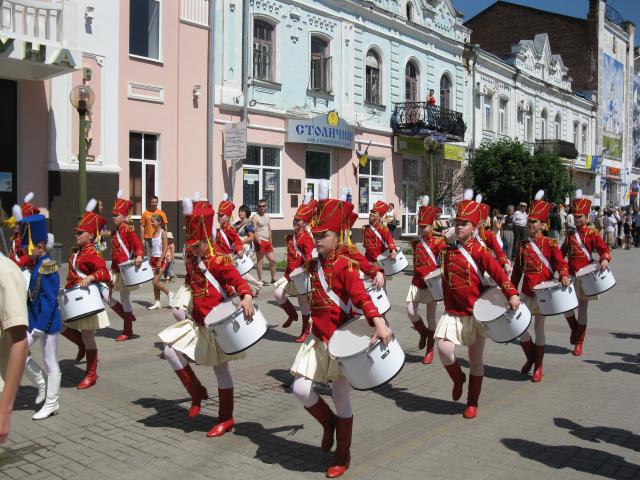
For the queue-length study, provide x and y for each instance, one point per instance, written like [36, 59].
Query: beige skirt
[288, 287]
[183, 299]
[196, 342]
[461, 330]
[314, 362]
[419, 295]
[531, 303]
[118, 283]
[93, 322]
[580, 293]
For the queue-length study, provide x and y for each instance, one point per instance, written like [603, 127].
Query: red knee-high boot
[573, 325]
[421, 328]
[91, 377]
[75, 337]
[225, 413]
[342, 456]
[194, 388]
[528, 347]
[128, 318]
[537, 371]
[306, 329]
[431, 341]
[290, 310]
[323, 414]
[475, 385]
[458, 377]
[581, 332]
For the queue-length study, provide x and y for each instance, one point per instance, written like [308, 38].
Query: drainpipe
[246, 38]
[476, 48]
[211, 101]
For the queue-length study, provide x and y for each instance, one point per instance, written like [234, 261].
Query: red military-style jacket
[423, 265]
[592, 241]
[304, 243]
[491, 242]
[235, 242]
[343, 278]
[127, 234]
[89, 262]
[534, 270]
[461, 285]
[17, 253]
[205, 295]
[366, 267]
[373, 247]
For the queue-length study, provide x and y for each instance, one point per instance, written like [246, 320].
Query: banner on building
[613, 107]
[592, 162]
[454, 152]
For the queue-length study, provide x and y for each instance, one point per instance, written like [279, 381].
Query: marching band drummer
[300, 248]
[578, 249]
[336, 284]
[488, 239]
[537, 259]
[86, 266]
[425, 254]
[228, 242]
[44, 313]
[463, 267]
[16, 252]
[191, 338]
[376, 237]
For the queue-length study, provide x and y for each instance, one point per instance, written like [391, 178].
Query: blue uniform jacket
[44, 313]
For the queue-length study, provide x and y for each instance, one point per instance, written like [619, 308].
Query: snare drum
[554, 299]
[378, 296]
[233, 332]
[500, 323]
[301, 280]
[434, 284]
[79, 302]
[391, 267]
[243, 264]
[365, 366]
[594, 281]
[132, 276]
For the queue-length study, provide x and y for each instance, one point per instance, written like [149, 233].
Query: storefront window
[261, 178]
[371, 184]
[143, 157]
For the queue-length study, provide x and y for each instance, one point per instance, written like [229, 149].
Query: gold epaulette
[352, 265]
[223, 259]
[352, 249]
[48, 267]
[383, 227]
[591, 232]
[552, 241]
[128, 227]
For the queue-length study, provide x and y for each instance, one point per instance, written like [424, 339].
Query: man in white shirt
[519, 225]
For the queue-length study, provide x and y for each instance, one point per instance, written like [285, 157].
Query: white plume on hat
[579, 193]
[119, 194]
[307, 197]
[50, 241]
[539, 195]
[225, 197]
[91, 205]
[323, 189]
[196, 196]
[187, 206]
[479, 198]
[343, 197]
[468, 194]
[17, 213]
[28, 197]
[425, 200]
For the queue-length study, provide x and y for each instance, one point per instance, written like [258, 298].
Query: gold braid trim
[223, 260]
[48, 267]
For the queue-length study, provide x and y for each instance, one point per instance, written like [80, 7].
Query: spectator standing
[246, 232]
[171, 253]
[391, 219]
[431, 98]
[508, 231]
[146, 228]
[570, 225]
[263, 241]
[563, 218]
[627, 232]
[636, 228]
[555, 225]
[159, 248]
[520, 226]
[610, 227]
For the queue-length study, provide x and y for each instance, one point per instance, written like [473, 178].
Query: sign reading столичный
[328, 130]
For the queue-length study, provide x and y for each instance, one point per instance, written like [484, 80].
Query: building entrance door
[317, 167]
[9, 144]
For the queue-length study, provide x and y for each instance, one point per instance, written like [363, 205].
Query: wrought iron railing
[420, 115]
[612, 14]
[561, 148]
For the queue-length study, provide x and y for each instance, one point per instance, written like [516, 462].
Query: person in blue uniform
[44, 314]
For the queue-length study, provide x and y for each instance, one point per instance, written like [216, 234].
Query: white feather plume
[17, 213]
[479, 198]
[343, 197]
[579, 193]
[307, 197]
[28, 197]
[539, 195]
[468, 194]
[425, 201]
[119, 194]
[225, 197]
[187, 206]
[323, 189]
[91, 205]
[50, 241]
[196, 196]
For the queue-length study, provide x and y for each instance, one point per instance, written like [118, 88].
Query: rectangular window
[488, 114]
[320, 66]
[144, 28]
[584, 139]
[263, 43]
[143, 163]
[529, 126]
[261, 178]
[371, 184]
[576, 129]
[502, 114]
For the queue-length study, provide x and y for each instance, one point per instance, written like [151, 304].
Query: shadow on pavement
[9, 456]
[499, 373]
[615, 436]
[630, 363]
[411, 402]
[73, 373]
[624, 335]
[289, 454]
[169, 413]
[581, 459]
[279, 336]
[112, 333]
[556, 350]
[285, 377]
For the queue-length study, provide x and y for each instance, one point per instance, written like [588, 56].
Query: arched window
[411, 82]
[373, 87]
[263, 50]
[445, 91]
[557, 126]
[543, 125]
[584, 138]
[409, 12]
[503, 115]
[576, 133]
[320, 65]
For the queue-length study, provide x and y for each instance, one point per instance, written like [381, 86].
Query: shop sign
[409, 145]
[37, 52]
[328, 130]
[235, 141]
[454, 152]
[613, 173]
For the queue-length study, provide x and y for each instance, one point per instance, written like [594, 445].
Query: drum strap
[584, 249]
[472, 262]
[346, 308]
[80, 274]
[295, 247]
[542, 258]
[121, 242]
[377, 234]
[429, 251]
[226, 240]
[477, 235]
[499, 239]
[211, 279]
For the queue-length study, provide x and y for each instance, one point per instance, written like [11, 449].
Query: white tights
[49, 344]
[281, 298]
[178, 361]
[446, 352]
[303, 391]
[179, 314]
[125, 299]
[581, 318]
[538, 329]
[414, 316]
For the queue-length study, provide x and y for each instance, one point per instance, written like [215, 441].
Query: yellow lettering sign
[63, 56]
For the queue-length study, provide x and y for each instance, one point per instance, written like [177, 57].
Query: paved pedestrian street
[581, 422]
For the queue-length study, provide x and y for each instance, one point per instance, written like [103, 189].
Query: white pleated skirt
[314, 362]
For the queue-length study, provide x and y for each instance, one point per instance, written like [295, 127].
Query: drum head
[547, 284]
[491, 305]
[351, 338]
[592, 267]
[436, 273]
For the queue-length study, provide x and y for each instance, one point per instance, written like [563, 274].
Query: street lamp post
[431, 146]
[82, 98]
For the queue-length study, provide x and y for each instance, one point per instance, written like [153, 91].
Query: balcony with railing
[562, 148]
[420, 118]
[38, 39]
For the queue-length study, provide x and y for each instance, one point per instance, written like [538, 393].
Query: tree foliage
[506, 173]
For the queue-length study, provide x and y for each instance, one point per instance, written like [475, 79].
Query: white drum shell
[301, 280]
[236, 334]
[132, 276]
[378, 296]
[243, 264]
[434, 284]
[372, 366]
[593, 281]
[555, 299]
[500, 323]
[78, 302]
[392, 267]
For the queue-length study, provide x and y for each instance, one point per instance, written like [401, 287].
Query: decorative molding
[144, 92]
